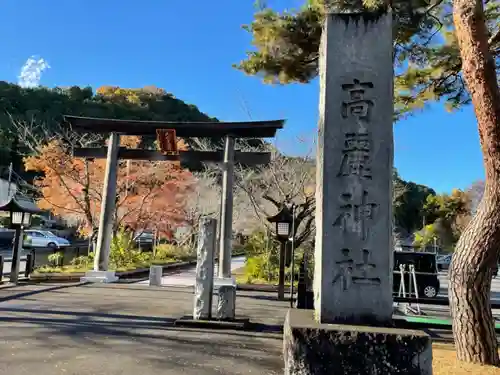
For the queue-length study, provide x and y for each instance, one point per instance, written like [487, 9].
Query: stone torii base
[206, 285]
[99, 277]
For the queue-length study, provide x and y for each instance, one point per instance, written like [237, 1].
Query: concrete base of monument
[338, 349]
[233, 324]
[99, 277]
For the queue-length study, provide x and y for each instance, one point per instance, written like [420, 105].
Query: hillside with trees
[45, 107]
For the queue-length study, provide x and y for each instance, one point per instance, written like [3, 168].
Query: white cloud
[31, 72]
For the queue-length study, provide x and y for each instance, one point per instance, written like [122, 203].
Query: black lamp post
[20, 211]
[284, 229]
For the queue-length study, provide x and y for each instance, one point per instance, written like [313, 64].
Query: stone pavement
[128, 329]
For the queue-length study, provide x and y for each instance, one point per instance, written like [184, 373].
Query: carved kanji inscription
[357, 105]
[356, 156]
[355, 212]
[352, 272]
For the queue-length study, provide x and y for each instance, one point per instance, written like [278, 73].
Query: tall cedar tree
[443, 50]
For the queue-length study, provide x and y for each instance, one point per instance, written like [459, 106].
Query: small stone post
[155, 275]
[204, 269]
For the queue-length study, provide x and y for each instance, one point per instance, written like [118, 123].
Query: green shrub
[262, 262]
[82, 261]
[260, 242]
[123, 256]
[56, 259]
[168, 251]
[259, 267]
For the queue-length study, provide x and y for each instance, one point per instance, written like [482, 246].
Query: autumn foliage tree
[150, 195]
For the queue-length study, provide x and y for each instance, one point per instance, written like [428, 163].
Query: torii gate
[167, 131]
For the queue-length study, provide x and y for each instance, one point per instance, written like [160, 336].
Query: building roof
[19, 203]
[247, 129]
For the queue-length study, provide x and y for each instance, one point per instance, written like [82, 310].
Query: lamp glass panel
[282, 229]
[17, 218]
[27, 218]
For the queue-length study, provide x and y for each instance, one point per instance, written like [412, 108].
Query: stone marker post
[353, 247]
[226, 296]
[205, 250]
[353, 252]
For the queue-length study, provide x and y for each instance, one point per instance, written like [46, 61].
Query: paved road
[187, 277]
[495, 286]
[444, 311]
[128, 329]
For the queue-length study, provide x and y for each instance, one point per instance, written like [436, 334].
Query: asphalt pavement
[443, 312]
[129, 329]
[444, 280]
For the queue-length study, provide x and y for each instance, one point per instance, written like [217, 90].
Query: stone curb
[237, 324]
[260, 288]
[61, 277]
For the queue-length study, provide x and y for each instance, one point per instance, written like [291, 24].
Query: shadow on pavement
[34, 292]
[116, 321]
[153, 339]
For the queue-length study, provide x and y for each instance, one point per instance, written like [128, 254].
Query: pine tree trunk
[478, 249]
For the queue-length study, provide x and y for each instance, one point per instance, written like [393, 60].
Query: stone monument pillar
[351, 330]
[204, 284]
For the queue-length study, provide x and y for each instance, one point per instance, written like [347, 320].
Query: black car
[426, 272]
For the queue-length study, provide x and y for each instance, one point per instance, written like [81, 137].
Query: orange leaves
[130, 141]
[149, 194]
[182, 145]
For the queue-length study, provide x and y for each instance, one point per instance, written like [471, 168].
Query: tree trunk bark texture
[478, 249]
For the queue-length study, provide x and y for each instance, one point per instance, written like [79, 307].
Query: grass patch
[165, 255]
[445, 363]
[81, 269]
[242, 276]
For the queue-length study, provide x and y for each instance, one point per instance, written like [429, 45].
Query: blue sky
[187, 48]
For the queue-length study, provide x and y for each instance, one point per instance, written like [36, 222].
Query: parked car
[144, 240]
[44, 238]
[443, 262]
[426, 272]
